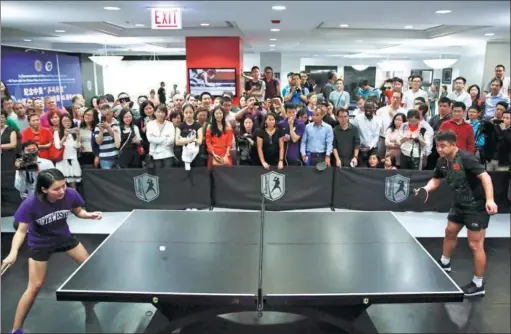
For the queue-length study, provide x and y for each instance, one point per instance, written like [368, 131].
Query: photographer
[412, 142]
[246, 144]
[27, 169]
[251, 110]
[294, 93]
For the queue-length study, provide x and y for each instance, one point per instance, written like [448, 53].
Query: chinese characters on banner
[30, 75]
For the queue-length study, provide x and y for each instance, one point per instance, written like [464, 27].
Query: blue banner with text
[39, 74]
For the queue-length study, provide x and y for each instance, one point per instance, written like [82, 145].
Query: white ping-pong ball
[162, 248]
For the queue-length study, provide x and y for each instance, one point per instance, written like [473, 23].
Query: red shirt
[465, 139]
[43, 137]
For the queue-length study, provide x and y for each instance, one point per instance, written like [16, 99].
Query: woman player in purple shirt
[43, 218]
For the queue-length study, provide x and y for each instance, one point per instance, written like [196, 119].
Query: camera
[28, 162]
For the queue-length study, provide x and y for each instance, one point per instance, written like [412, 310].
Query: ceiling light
[360, 67]
[316, 55]
[60, 31]
[275, 30]
[344, 26]
[278, 7]
[443, 11]
[27, 40]
[111, 8]
[272, 46]
[358, 41]
[205, 24]
[489, 34]
[408, 27]
[439, 64]
[106, 60]
[273, 39]
[272, 49]
[139, 25]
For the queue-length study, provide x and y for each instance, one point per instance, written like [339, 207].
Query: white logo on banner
[147, 187]
[273, 185]
[397, 188]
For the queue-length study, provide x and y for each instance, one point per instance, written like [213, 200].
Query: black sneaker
[445, 267]
[472, 290]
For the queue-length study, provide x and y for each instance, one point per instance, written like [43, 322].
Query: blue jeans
[106, 164]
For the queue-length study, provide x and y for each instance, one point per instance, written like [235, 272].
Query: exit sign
[166, 18]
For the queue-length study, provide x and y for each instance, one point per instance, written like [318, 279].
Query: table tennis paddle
[4, 268]
[422, 193]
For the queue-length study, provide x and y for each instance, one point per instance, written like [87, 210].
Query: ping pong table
[330, 266]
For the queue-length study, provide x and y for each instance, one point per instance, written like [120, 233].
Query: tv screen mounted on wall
[215, 81]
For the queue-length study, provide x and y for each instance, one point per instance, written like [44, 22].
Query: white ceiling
[376, 28]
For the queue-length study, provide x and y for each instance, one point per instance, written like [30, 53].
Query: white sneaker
[188, 209]
[194, 209]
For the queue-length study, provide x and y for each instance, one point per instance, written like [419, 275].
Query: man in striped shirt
[108, 138]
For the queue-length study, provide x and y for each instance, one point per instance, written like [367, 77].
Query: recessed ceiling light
[27, 40]
[358, 41]
[489, 34]
[273, 39]
[139, 25]
[443, 11]
[278, 7]
[275, 30]
[344, 26]
[60, 31]
[272, 49]
[111, 8]
[408, 27]
[205, 24]
[316, 55]
[272, 46]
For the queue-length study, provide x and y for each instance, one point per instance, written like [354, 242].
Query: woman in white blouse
[90, 120]
[68, 137]
[130, 141]
[161, 135]
[392, 147]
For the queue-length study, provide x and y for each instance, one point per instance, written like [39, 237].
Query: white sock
[445, 260]
[478, 281]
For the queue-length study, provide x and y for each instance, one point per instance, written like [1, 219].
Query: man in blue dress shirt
[317, 140]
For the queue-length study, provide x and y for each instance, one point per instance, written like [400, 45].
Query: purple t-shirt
[293, 149]
[47, 222]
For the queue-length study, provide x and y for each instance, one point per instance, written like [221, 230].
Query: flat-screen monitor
[215, 81]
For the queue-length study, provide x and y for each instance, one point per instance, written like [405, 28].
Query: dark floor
[484, 315]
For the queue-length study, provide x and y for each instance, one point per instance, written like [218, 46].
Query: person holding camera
[412, 141]
[68, 139]
[294, 93]
[252, 111]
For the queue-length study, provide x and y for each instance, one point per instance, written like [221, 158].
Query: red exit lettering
[166, 18]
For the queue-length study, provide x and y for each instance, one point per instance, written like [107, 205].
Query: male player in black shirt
[472, 205]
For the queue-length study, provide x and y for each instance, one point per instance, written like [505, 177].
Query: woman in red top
[42, 136]
[219, 137]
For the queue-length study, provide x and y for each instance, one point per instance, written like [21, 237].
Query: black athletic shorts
[43, 254]
[473, 219]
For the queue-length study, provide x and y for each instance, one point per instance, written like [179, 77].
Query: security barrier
[243, 188]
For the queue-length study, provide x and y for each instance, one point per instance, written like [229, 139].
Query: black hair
[478, 91]
[291, 106]
[74, 98]
[29, 116]
[204, 94]
[254, 68]
[458, 104]
[502, 103]
[462, 79]
[496, 80]
[95, 118]
[225, 99]
[396, 79]
[268, 68]
[363, 82]
[174, 115]
[297, 75]
[61, 127]
[447, 136]
[444, 87]
[162, 83]
[141, 108]
[392, 126]
[413, 113]
[475, 107]
[123, 113]
[371, 153]
[503, 67]
[398, 91]
[331, 75]
[105, 107]
[45, 179]
[5, 99]
[341, 110]
[163, 108]
[423, 109]
[444, 99]
[417, 76]
[28, 143]
[215, 131]
[91, 105]
[110, 98]
[419, 98]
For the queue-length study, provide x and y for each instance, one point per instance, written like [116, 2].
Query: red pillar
[219, 52]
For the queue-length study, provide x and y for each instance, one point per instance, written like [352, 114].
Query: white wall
[496, 54]
[139, 77]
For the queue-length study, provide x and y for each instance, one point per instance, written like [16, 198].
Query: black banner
[11, 198]
[286, 189]
[383, 190]
[128, 189]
